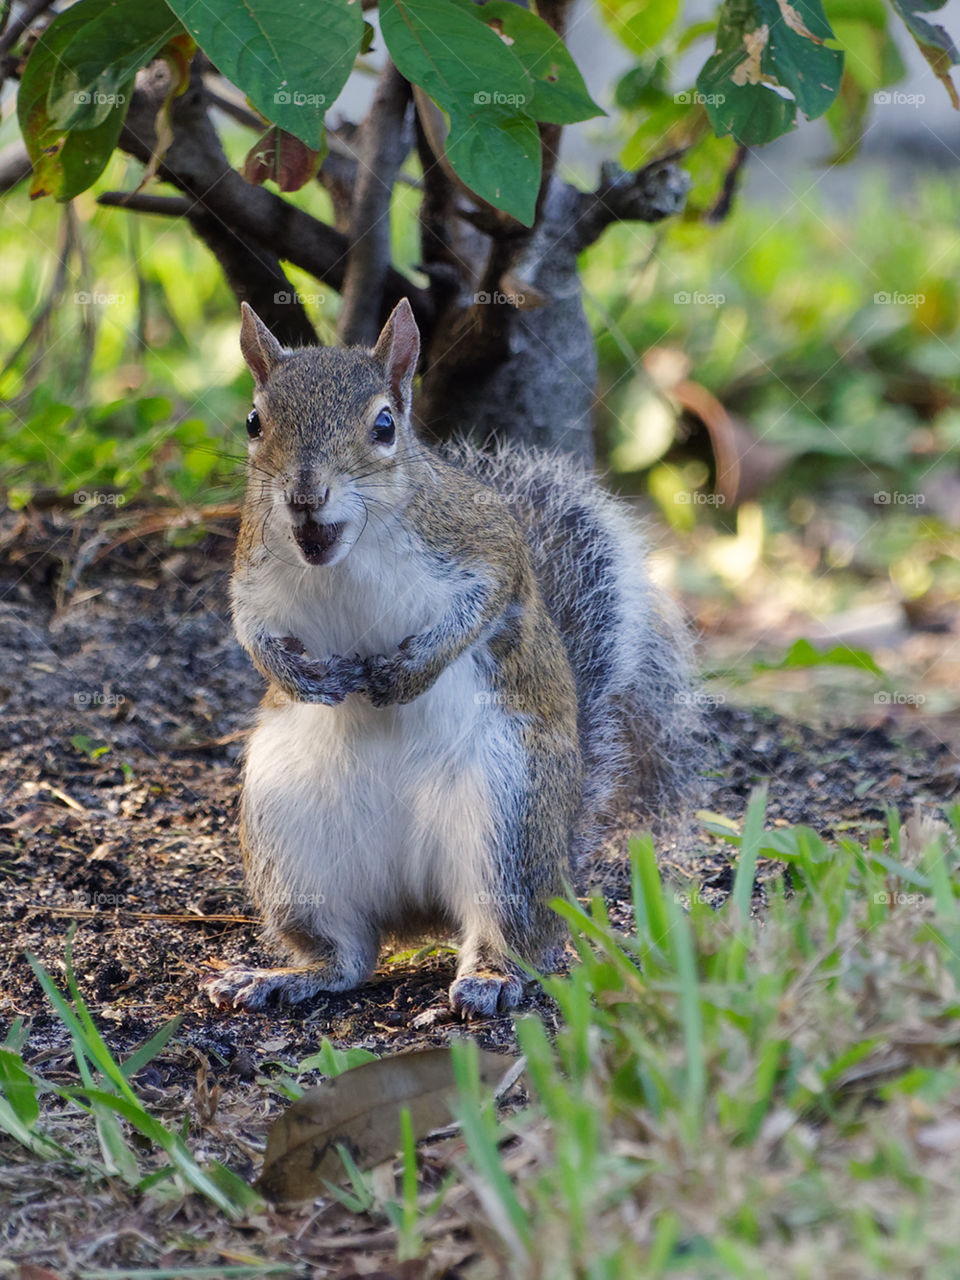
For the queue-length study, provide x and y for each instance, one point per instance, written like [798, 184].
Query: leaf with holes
[796, 56]
[559, 94]
[770, 59]
[291, 57]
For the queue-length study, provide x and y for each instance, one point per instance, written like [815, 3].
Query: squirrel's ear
[260, 348]
[397, 350]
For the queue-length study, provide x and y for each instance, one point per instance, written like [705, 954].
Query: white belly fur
[367, 814]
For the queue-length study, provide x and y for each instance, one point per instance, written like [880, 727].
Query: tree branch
[655, 192]
[14, 166]
[138, 202]
[554, 14]
[253, 273]
[385, 142]
[731, 181]
[236, 110]
[271, 228]
[21, 22]
[256, 277]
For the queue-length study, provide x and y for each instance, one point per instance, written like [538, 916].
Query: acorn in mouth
[317, 540]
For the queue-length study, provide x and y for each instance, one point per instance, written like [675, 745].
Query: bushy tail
[631, 654]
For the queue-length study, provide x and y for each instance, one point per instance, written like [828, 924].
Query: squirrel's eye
[253, 425]
[384, 429]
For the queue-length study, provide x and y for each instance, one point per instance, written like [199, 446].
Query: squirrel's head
[330, 438]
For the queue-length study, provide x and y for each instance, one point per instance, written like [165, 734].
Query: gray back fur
[631, 654]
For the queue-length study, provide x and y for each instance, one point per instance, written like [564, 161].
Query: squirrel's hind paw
[485, 993]
[252, 988]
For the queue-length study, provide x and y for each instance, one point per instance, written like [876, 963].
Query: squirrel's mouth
[317, 541]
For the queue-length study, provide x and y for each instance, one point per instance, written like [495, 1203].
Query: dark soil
[125, 701]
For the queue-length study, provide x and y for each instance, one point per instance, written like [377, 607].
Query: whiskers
[274, 554]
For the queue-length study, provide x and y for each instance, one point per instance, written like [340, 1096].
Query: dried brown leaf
[361, 1110]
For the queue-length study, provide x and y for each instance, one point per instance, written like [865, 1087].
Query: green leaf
[94, 68]
[935, 43]
[19, 1089]
[802, 654]
[475, 78]
[878, 60]
[291, 57]
[795, 56]
[644, 85]
[559, 94]
[64, 163]
[764, 46]
[331, 1061]
[752, 113]
[88, 746]
[498, 159]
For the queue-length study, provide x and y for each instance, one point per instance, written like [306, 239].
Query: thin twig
[164, 917]
[386, 140]
[138, 202]
[14, 166]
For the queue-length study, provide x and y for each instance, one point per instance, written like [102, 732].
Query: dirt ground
[125, 700]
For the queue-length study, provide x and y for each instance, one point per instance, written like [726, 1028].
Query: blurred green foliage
[136, 381]
[833, 335]
[781, 314]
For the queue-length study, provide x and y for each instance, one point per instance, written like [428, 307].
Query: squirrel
[467, 665]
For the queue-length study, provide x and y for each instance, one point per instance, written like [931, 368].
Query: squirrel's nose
[304, 498]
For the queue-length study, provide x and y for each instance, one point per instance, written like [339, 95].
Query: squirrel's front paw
[380, 677]
[328, 681]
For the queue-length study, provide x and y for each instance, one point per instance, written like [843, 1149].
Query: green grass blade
[84, 1033]
[684, 959]
[742, 894]
[936, 867]
[649, 899]
[147, 1052]
[479, 1132]
[409, 1235]
[19, 1088]
[16, 1036]
[172, 1144]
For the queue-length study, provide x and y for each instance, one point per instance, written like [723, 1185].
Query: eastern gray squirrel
[467, 663]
